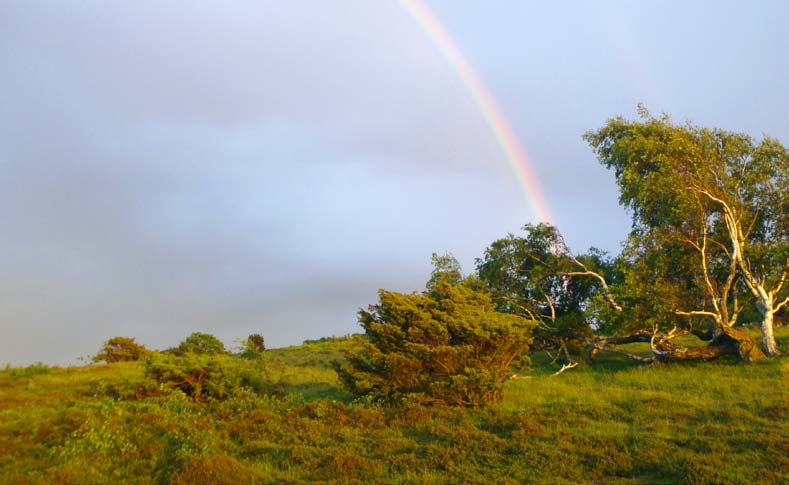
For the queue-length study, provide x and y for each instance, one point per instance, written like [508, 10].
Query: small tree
[446, 345]
[533, 276]
[256, 342]
[120, 349]
[253, 346]
[201, 343]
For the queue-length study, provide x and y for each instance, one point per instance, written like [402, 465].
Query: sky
[266, 166]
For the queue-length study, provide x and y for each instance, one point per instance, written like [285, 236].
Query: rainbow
[487, 105]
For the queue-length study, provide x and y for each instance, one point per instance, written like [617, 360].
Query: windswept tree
[445, 345]
[537, 276]
[719, 194]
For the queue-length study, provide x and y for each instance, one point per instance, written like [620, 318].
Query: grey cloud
[168, 167]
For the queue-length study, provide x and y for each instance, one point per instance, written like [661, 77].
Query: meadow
[615, 422]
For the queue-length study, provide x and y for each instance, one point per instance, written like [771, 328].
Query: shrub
[34, 369]
[446, 345]
[256, 342]
[120, 349]
[200, 376]
[201, 343]
[253, 346]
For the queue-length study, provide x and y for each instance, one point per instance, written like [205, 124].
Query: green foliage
[322, 340]
[256, 342]
[120, 349]
[661, 167]
[528, 276]
[446, 345]
[253, 347]
[445, 267]
[199, 376]
[654, 277]
[710, 210]
[34, 369]
[715, 423]
[201, 343]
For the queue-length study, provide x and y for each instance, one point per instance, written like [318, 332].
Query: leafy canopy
[120, 349]
[201, 343]
[530, 275]
[710, 210]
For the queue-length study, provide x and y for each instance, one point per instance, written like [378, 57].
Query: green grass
[615, 422]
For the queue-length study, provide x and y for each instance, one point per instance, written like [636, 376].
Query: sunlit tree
[720, 194]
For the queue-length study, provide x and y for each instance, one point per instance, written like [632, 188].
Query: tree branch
[778, 306]
[564, 368]
[630, 355]
[696, 312]
[781, 280]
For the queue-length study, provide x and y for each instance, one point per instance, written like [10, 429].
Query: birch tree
[720, 193]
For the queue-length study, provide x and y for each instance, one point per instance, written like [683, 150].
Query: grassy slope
[616, 422]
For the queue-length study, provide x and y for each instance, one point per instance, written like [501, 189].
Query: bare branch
[781, 280]
[703, 250]
[526, 310]
[721, 246]
[631, 355]
[754, 220]
[602, 346]
[658, 353]
[692, 243]
[696, 312]
[564, 368]
[550, 305]
[778, 306]
[674, 333]
[608, 296]
[587, 272]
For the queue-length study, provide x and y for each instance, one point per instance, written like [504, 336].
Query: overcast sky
[266, 166]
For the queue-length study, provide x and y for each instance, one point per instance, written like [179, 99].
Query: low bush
[201, 376]
[34, 369]
[120, 349]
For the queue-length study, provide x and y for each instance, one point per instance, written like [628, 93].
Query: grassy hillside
[616, 422]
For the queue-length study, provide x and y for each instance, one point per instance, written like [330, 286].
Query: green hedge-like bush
[446, 345]
[201, 376]
[120, 349]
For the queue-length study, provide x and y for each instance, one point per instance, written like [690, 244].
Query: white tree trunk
[768, 339]
[765, 300]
